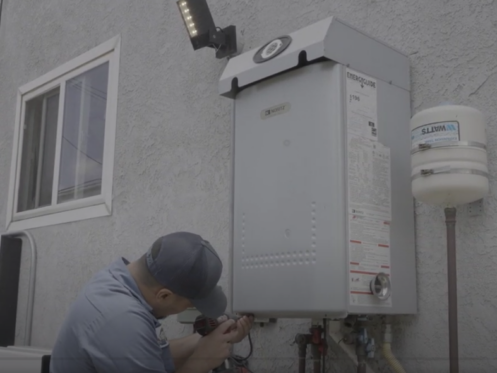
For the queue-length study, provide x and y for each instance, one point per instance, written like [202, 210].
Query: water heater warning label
[369, 192]
[435, 132]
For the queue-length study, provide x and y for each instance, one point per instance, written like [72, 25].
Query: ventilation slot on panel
[284, 259]
[281, 259]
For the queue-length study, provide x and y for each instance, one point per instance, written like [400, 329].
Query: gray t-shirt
[110, 329]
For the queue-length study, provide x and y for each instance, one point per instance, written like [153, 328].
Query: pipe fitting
[365, 349]
[302, 339]
[387, 336]
[318, 345]
[350, 321]
[386, 350]
[318, 340]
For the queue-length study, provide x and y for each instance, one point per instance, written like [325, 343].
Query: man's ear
[164, 293]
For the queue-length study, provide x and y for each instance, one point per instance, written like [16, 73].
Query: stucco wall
[172, 164]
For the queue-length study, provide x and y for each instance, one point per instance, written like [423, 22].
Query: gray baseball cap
[189, 266]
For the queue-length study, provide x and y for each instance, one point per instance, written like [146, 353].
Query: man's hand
[242, 327]
[214, 348]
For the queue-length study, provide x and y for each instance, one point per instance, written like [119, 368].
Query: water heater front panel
[290, 251]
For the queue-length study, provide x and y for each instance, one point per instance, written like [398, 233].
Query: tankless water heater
[323, 221]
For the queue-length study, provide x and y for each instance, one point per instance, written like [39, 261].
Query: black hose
[242, 362]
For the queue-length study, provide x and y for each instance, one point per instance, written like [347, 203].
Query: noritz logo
[438, 128]
[362, 80]
[275, 110]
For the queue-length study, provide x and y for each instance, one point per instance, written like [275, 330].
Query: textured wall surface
[172, 168]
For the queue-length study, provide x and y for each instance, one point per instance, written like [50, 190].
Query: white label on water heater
[369, 218]
[362, 118]
[435, 132]
[369, 193]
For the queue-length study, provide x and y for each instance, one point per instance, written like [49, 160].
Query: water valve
[365, 345]
[370, 348]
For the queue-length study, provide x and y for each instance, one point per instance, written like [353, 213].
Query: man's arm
[182, 349]
[211, 350]
[126, 344]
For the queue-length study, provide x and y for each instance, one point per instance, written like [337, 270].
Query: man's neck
[134, 270]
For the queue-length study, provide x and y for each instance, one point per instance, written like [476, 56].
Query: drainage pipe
[386, 349]
[32, 277]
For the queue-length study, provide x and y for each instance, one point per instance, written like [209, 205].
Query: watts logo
[439, 128]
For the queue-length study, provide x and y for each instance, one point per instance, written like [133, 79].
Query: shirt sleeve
[127, 344]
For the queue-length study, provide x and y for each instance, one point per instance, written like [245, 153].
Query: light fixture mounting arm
[223, 41]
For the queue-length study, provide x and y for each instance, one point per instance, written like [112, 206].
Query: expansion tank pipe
[450, 220]
[32, 277]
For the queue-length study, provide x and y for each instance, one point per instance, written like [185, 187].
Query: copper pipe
[302, 340]
[318, 348]
[316, 358]
[450, 220]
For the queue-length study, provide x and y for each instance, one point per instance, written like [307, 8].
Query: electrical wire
[242, 362]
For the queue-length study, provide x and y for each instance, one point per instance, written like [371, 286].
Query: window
[63, 151]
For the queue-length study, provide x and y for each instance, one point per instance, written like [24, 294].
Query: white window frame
[81, 209]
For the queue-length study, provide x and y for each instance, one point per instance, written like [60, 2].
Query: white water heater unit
[323, 220]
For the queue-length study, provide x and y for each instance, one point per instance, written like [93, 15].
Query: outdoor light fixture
[203, 31]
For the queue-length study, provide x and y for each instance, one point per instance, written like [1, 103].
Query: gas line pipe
[317, 340]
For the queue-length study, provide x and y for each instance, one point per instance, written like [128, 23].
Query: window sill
[62, 217]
